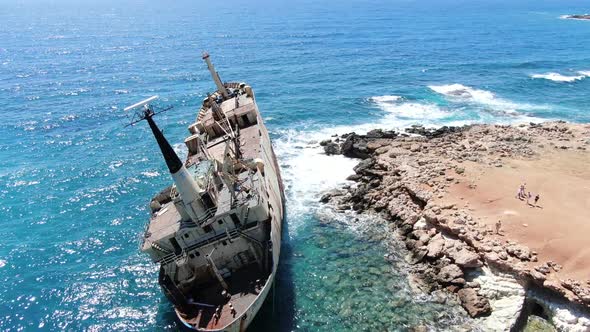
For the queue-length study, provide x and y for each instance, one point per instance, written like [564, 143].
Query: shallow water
[74, 184]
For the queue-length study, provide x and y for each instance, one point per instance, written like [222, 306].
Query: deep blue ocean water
[74, 184]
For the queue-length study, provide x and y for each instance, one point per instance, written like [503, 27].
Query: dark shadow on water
[281, 315]
[166, 317]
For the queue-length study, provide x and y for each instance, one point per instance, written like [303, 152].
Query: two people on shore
[522, 195]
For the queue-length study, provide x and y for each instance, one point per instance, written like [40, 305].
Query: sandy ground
[558, 228]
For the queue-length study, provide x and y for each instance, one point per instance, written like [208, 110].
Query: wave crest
[462, 93]
[408, 110]
[385, 99]
[557, 77]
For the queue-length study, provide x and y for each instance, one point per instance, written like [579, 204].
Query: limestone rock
[475, 304]
[416, 256]
[364, 166]
[435, 247]
[449, 273]
[466, 258]
[519, 251]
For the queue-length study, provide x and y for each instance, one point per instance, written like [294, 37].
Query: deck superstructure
[216, 232]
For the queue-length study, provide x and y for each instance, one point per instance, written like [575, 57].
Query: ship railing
[208, 214]
[173, 257]
[218, 236]
[232, 85]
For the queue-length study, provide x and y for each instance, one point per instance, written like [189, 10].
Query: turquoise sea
[75, 184]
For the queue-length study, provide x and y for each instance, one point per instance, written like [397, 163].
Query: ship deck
[167, 221]
[249, 145]
[244, 286]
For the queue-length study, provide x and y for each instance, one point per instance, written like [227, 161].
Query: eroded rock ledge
[405, 176]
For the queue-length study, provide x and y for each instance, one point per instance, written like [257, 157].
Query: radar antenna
[142, 110]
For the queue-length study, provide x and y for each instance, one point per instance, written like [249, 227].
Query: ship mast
[220, 87]
[190, 192]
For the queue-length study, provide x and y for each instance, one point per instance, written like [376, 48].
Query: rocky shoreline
[405, 177]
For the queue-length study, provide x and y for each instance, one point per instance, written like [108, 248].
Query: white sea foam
[2, 263]
[557, 77]
[76, 92]
[150, 174]
[115, 164]
[385, 99]
[308, 172]
[459, 92]
[401, 110]
[21, 183]
[464, 92]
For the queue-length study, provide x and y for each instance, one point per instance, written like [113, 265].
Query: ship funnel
[220, 87]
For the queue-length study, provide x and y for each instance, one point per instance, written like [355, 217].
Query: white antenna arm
[141, 103]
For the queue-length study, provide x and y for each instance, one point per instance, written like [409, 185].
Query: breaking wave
[462, 93]
[385, 99]
[557, 77]
[308, 172]
[401, 110]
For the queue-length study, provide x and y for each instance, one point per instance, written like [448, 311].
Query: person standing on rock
[522, 190]
[498, 226]
[537, 199]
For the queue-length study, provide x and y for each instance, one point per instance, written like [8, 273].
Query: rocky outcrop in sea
[402, 177]
[577, 17]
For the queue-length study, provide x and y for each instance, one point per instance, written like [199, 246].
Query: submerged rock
[578, 17]
[538, 324]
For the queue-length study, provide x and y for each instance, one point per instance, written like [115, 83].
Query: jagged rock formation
[403, 177]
